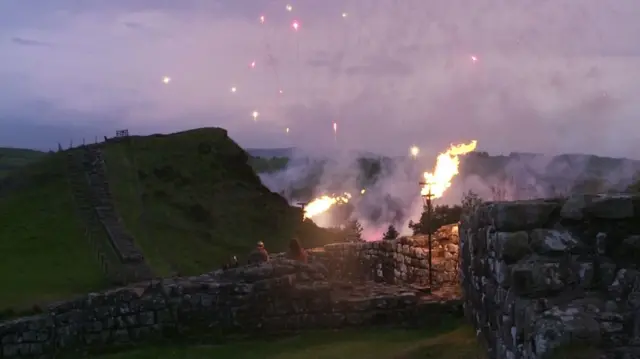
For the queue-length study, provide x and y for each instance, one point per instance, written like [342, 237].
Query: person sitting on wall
[259, 255]
[296, 252]
[234, 262]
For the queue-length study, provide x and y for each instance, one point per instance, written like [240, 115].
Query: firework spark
[295, 25]
[234, 89]
[289, 8]
[166, 79]
[414, 150]
[262, 19]
[255, 115]
[252, 64]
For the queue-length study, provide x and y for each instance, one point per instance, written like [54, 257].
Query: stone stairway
[131, 258]
[94, 231]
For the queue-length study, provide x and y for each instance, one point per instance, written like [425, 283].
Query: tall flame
[323, 203]
[438, 181]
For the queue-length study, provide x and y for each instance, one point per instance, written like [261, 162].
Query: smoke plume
[392, 193]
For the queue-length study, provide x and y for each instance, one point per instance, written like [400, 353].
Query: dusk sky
[551, 76]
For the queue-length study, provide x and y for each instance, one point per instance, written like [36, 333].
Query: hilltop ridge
[189, 200]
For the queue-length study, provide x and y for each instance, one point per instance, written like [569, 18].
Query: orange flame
[438, 181]
[323, 203]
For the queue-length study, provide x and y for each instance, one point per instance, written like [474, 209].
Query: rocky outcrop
[400, 261]
[278, 297]
[554, 277]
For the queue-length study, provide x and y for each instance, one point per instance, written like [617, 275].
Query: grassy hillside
[13, 158]
[192, 200]
[43, 253]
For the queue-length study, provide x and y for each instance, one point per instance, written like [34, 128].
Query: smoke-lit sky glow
[549, 76]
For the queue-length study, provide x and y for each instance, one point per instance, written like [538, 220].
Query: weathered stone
[538, 276]
[548, 241]
[600, 206]
[516, 216]
[632, 243]
[611, 207]
[586, 274]
[559, 327]
[511, 246]
[574, 207]
[576, 295]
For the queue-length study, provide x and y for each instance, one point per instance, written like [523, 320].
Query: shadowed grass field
[43, 253]
[454, 342]
[13, 158]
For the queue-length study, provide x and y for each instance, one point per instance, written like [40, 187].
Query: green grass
[191, 200]
[452, 343]
[14, 158]
[44, 255]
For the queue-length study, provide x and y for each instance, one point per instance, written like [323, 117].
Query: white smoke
[394, 197]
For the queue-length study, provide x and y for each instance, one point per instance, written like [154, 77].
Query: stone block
[559, 327]
[612, 207]
[523, 215]
[539, 276]
[550, 241]
[509, 246]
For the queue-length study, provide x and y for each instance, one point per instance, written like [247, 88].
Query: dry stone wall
[554, 278]
[400, 261]
[131, 257]
[94, 231]
[272, 298]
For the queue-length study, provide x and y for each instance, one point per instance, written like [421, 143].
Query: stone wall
[131, 258]
[400, 261]
[94, 232]
[278, 297]
[554, 278]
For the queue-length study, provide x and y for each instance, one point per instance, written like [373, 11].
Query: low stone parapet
[278, 297]
[400, 261]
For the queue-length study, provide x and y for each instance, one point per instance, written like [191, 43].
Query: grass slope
[13, 158]
[455, 342]
[44, 255]
[192, 200]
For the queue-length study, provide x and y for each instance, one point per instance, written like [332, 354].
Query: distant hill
[559, 174]
[550, 175]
